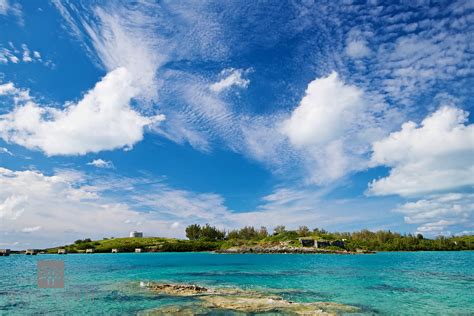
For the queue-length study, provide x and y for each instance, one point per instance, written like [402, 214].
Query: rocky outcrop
[237, 300]
[176, 289]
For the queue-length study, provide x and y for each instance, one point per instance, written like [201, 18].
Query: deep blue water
[407, 283]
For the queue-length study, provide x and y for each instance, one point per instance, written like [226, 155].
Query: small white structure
[4, 252]
[62, 251]
[89, 250]
[115, 250]
[138, 250]
[136, 234]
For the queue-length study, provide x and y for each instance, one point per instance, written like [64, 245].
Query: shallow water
[410, 283]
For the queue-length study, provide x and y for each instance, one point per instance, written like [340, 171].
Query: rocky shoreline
[236, 300]
[287, 250]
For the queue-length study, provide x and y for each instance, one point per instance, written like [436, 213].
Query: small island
[258, 240]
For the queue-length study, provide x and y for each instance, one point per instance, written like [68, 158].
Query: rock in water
[237, 301]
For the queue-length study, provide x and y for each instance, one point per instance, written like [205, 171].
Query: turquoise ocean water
[399, 283]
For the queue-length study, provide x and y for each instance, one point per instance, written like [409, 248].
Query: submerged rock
[238, 301]
[176, 289]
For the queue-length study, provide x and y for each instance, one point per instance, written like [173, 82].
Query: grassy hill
[128, 244]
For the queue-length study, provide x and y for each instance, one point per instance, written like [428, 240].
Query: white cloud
[122, 36]
[325, 112]
[287, 206]
[70, 205]
[31, 229]
[332, 128]
[7, 88]
[11, 207]
[182, 204]
[436, 214]
[4, 7]
[65, 209]
[417, 62]
[5, 151]
[357, 42]
[231, 78]
[10, 55]
[357, 49]
[436, 155]
[26, 54]
[19, 95]
[100, 163]
[7, 7]
[102, 120]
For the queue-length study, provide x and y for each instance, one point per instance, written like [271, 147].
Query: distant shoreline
[251, 240]
[310, 252]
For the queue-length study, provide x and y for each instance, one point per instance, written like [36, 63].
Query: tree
[210, 233]
[302, 231]
[248, 232]
[279, 229]
[263, 232]
[233, 234]
[419, 236]
[193, 232]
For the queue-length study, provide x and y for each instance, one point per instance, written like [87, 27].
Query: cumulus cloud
[100, 163]
[332, 127]
[11, 207]
[19, 95]
[230, 78]
[102, 120]
[324, 113]
[436, 155]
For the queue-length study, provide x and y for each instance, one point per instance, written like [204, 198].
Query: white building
[136, 234]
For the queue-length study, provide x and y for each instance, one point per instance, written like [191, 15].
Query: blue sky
[120, 116]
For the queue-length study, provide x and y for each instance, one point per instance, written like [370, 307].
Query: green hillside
[128, 244]
[209, 238]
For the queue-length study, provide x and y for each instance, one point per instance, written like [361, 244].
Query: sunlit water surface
[410, 283]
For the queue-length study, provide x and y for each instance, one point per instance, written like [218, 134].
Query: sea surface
[386, 283]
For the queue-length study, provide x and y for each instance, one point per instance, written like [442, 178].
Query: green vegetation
[206, 233]
[361, 240]
[209, 238]
[122, 244]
